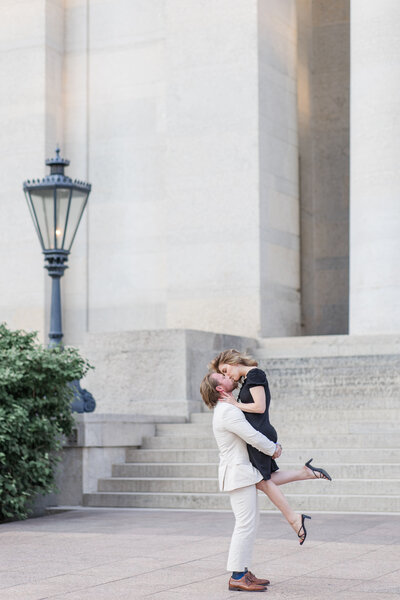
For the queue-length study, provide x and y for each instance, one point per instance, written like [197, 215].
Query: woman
[255, 399]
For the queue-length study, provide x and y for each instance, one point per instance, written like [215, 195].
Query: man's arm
[236, 422]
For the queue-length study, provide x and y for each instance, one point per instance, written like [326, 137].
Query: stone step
[179, 442]
[346, 486]
[335, 427]
[299, 502]
[286, 429]
[165, 470]
[204, 417]
[355, 360]
[289, 442]
[298, 456]
[344, 380]
[320, 439]
[370, 363]
[327, 345]
[350, 361]
[302, 398]
[134, 455]
[195, 485]
[319, 415]
[185, 429]
[337, 385]
[310, 400]
[342, 372]
[340, 471]
[343, 393]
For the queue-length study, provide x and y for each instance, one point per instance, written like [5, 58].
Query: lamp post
[56, 204]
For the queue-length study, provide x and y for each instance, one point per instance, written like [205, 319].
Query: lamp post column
[55, 266]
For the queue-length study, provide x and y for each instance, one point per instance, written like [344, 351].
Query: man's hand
[278, 451]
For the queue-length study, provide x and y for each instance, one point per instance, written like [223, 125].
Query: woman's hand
[228, 397]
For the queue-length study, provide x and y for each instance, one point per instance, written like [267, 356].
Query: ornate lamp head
[56, 204]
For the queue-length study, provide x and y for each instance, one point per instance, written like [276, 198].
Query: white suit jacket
[232, 432]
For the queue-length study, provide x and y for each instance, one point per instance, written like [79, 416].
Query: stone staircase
[344, 411]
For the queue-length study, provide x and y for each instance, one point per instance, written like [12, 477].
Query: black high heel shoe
[303, 535]
[324, 474]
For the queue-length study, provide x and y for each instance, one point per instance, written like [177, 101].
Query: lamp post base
[83, 400]
[55, 264]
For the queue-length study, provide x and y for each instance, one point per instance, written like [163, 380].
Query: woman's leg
[271, 489]
[282, 477]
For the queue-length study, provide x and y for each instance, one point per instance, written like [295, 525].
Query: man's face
[224, 382]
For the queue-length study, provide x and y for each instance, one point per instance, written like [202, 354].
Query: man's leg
[245, 508]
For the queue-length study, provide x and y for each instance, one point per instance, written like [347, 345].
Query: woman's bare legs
[270, 487]
[282, 477]
[274, 493]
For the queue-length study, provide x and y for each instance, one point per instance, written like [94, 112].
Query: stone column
[323, 74]
[231, 168]
[375, 167]
[211, 207]
[278, 184]
[76, 104]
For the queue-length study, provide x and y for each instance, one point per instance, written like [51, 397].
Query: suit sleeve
[236, 422]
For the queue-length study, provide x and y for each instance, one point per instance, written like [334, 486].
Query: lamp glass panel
[78, 202]
[29, 203]
[43, 207]
[62, 216]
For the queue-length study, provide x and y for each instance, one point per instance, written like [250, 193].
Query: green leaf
[34, 412]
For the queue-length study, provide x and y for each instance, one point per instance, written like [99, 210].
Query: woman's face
[232, 371]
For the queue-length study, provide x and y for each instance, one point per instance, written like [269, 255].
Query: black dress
[260, 421]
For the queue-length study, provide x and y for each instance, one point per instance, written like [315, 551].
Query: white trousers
[245, 508]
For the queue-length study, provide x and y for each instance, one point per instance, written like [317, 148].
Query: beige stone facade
[216, 136]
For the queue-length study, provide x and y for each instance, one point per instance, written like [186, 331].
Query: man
[237, 476]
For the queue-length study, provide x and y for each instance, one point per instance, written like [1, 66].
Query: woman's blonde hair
[208, 390]
[232, 357]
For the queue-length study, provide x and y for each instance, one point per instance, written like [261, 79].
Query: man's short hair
[208, 390]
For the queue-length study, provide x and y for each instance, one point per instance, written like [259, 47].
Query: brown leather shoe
[256, 580]
[245, 584]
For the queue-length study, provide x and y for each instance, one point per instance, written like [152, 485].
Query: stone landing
[342, 410]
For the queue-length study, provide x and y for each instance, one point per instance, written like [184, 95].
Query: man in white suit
[238, 477]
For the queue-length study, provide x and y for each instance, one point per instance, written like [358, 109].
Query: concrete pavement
[117, 554]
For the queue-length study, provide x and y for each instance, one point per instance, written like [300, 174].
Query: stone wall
[153, 372]
[169, 108]
[165, 93]
[25, 61]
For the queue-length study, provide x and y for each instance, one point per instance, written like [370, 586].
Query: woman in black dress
[254, 400]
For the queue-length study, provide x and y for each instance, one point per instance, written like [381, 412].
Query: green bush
[34, 416]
